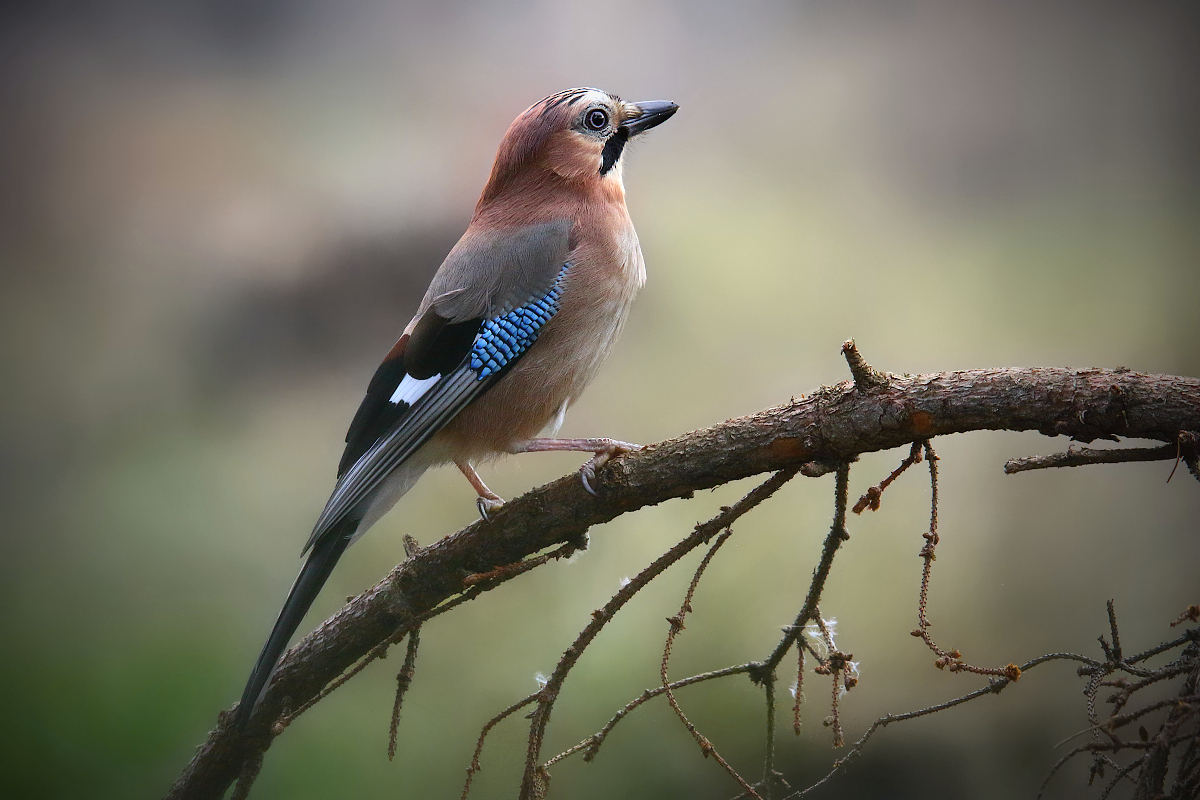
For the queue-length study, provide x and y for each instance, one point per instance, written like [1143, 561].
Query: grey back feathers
[491, 273]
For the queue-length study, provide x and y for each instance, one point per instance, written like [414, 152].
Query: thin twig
[833, 540]
[769, 761]
[379, 651]
[946, 659]
[1109, 747]
[1118, 721]
[478, 586]
[873, 495]
[403, 681]
[1190, 614]
[799, 689]
[474, 766]
[772, 779]
[1122, 773]
[1116, 636]
[1171, 702]
[591, 745]
[1162, 648]
[836, 664]
[995, 686]
[676, 625]
[835, 722]
[1062, 762]
[541, 715]
[1084, 456]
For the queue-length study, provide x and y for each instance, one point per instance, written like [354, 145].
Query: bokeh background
[216, 216]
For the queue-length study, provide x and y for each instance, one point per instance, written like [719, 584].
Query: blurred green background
[216, 216]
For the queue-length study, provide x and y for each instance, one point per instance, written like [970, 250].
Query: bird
[516, 322]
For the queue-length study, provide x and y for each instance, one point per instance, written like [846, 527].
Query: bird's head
[578, 135]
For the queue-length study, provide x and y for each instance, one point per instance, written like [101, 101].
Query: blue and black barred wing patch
[418, 407]
[501, 341]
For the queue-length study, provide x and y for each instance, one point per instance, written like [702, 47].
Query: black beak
[650, 113]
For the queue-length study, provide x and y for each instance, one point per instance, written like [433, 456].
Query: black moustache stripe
[612, 150]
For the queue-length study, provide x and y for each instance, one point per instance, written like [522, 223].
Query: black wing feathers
[375, 414]
[438, 345]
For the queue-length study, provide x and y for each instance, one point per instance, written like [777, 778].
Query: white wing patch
[411, 390]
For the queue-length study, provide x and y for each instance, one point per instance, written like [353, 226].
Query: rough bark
[833, 425]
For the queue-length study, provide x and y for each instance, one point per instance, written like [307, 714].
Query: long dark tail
[312, 577]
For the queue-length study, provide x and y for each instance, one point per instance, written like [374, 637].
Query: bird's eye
[596, 119]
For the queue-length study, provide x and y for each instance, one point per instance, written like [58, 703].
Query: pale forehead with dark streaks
[571, 95]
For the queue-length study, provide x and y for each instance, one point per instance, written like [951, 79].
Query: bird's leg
[488, 500]
[604, 449]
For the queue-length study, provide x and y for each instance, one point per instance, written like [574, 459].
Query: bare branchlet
[946, 659]
[476, 585]
[1190, 614]
[838, 666]
[487, 728]
[403, 680]
[875, 493]
[536, 774]
[798, 690]
[675, 624]
[1084, 456]
[591, 745]
[1178, 731]
[829, 661]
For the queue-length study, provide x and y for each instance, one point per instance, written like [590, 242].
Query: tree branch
[1083, 456]
[832, 426]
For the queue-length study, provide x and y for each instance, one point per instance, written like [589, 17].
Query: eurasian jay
[515, 324]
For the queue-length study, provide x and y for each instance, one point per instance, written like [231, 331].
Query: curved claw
[486, 505]
[587, 473]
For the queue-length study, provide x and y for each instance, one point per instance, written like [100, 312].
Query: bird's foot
[488, 501]
[603, 450]
[487, 505]
[587, 473]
